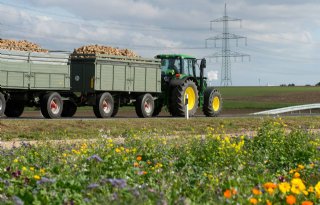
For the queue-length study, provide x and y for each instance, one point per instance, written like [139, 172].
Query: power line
[226, 53]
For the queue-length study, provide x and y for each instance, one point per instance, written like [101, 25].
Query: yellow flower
[118, 150]
[42, 170]
[284, 187]
[24, 169]
[317, 189]
[36, 177]
[311, 189]
[291, 199]
[16, 160]
[64, 154]
[297, 186]
[32, 168]
[253, 201]
[300, 166]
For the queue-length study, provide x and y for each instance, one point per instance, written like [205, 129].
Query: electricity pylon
[226, 53]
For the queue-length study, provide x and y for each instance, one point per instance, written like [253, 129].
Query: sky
[283, 36]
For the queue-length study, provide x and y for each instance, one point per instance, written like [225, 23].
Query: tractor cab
[179, 66]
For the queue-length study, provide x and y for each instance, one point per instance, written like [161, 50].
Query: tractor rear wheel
[14, 109]
[51, 105]
[144, 105]
[69, 108]
[104, 105]
[178, 98]
[212, 104]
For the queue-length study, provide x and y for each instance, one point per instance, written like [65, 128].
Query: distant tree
[291, 84]
[318, 84]
[283, 85]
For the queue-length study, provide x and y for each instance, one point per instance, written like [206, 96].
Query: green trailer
[108, 82]
[33, 79]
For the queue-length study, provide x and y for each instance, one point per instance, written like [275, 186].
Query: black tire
[157, 107]
[177, 105]
[51, 105]
[116, 107]
[104, 105]
[2, 104]
[212, 104]
[14, 109]
[144, 105]
[69, 108]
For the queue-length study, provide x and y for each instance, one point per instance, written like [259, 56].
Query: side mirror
[203, 63]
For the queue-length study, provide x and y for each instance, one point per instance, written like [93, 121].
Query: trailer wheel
[144, 105]
[14, 109]
[69, 108]
[116, 107]
[104, 105]
[212, 104]
[2, 104]
[51, 105]
[157, 108]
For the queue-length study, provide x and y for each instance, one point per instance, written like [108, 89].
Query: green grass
[153, 169]
[87, 129]
[263, 90]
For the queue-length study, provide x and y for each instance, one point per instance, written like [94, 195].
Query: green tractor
[183, 77]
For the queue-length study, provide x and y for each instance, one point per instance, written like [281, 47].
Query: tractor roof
[174, 56]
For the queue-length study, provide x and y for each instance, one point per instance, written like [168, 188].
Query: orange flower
[256, 191]
[270, 185]
[307, 203]
[268, 202]
[234, 192]
[291, 199]
[296, 175]
[227, 194]
[253, 201]
[139, 158]
[135, 164]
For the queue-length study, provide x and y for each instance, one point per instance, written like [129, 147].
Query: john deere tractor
[183, 77]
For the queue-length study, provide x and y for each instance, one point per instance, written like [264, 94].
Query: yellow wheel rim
[216, 103]
[191, 97]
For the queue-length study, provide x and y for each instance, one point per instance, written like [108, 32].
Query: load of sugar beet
[107, 50]
[20, 45]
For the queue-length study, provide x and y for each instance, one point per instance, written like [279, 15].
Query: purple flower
[95, 157]
[44, 180]
[118, 183]
[17, 200]
[93, 186]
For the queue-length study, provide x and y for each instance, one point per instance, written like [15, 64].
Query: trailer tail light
[178, 75]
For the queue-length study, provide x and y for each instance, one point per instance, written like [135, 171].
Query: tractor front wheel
[212, 104]
[178, 99]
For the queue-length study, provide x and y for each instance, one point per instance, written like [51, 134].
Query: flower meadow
[276, 166]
